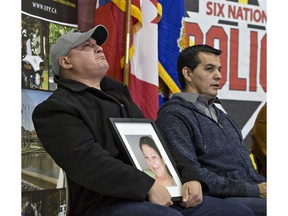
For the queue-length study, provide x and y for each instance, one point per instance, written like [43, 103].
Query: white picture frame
[128, 131]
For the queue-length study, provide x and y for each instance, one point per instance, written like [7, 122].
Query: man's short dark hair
[189, 57]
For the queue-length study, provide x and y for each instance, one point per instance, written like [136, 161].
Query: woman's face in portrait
[154, 161]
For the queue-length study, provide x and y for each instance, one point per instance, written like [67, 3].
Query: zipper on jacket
[123, 110]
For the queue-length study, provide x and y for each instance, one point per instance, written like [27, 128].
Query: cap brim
[100, 34]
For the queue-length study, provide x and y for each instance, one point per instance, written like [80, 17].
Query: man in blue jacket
[73, 127]
[208, 138]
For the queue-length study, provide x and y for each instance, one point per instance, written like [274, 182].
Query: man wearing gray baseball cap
[73, 127]
[73, 39]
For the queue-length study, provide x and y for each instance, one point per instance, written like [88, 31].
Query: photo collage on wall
[42, 180]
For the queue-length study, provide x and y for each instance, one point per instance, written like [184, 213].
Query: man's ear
[64, 62]
[186, 73]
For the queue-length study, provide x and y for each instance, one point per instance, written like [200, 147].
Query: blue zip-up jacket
[214, 149]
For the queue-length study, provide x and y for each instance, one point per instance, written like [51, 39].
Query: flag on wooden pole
[144, 62]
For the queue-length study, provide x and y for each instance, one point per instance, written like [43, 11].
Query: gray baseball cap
[72, 39]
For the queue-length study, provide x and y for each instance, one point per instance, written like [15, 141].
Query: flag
[143, 79]
[169, 38]
[111, 13]
[143, 76]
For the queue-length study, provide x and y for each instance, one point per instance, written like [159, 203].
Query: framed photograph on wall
[148, 151]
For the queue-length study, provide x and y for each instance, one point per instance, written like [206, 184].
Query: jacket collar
[191, 97]
[75, 86]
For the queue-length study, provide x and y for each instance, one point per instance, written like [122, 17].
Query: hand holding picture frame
[148, 151]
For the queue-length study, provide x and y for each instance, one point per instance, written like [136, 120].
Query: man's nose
[98, 49]
[218, 74]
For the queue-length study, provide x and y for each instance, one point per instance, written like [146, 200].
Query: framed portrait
[148, 151]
